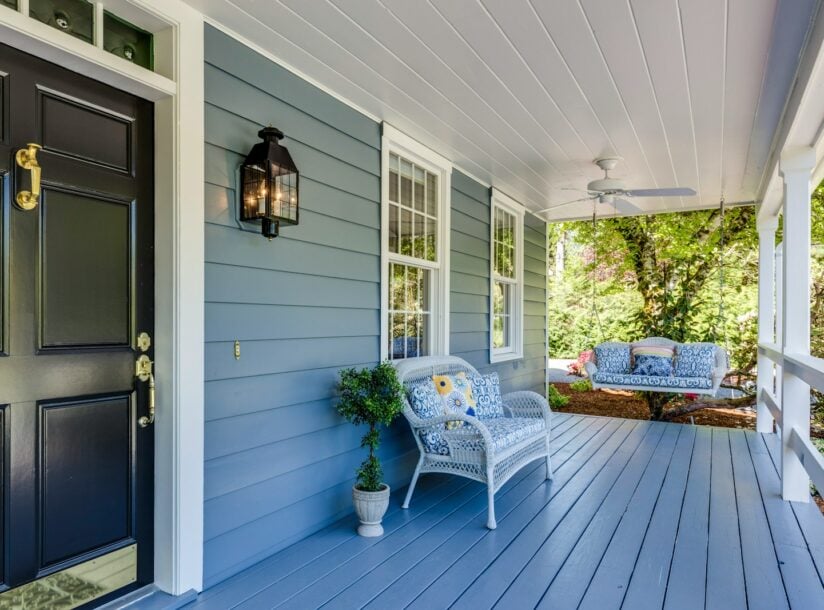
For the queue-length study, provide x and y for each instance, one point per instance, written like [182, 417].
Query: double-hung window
[415, 250]
[507, 279]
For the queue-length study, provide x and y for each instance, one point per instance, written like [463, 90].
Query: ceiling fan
[612, 191]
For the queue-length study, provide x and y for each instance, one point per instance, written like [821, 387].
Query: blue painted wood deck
[639, 515]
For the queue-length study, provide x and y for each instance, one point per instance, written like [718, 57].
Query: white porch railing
[786, 370]
[810, 370]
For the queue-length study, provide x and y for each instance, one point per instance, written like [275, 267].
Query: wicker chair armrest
[527, 404]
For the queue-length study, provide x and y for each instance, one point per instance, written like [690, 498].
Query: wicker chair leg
[548, 462]
[490, 494]
[412, 483]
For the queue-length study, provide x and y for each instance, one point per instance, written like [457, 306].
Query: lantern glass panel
[284, 190]
[254, 192]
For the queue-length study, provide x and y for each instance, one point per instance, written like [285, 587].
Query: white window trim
[509, 205]
[395, 141]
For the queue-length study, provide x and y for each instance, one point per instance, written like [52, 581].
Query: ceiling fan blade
[558, 205]
[670, 192]
[625, 207]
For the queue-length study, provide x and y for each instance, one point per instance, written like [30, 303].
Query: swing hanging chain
[719, 323]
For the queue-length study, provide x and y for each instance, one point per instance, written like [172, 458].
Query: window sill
[504, 357]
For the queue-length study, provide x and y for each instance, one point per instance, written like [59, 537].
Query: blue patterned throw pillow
[695, 360]
[486, 389]
[427, 403]
[425, 400]
[652, 360]
[612, 358]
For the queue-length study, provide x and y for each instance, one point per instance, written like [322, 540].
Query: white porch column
[766, 315]
[779, 316]
[796, 168]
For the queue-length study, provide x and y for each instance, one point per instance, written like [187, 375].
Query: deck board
[638, 515]
[725, 566]
[649, 541]
[686, 586]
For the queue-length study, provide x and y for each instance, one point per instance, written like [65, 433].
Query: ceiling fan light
[605, 184]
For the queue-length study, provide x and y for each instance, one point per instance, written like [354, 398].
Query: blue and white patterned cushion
[506, 432]
[659, 366]
[694, 360]
[427, 403]
[612, 357]
[486, 389]
[680, 383]
[425, 400]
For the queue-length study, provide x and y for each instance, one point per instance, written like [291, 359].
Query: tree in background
[659, 275]
[654, 276]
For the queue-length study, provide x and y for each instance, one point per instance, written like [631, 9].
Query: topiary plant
[371, 397]
[555, 398]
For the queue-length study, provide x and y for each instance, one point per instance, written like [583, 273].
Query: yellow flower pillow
[456, 393]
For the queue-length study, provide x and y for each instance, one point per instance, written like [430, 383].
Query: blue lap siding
[279, 461]
[469, 302]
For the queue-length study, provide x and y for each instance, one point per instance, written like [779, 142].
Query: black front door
[76, 290]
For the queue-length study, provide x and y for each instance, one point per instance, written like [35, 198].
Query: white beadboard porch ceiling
[524, 94]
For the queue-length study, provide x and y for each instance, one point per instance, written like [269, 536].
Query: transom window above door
[415, 250]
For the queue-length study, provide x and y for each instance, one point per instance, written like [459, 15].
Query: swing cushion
[695, 360]
[653, 381]
[613, 358]
[653, 360]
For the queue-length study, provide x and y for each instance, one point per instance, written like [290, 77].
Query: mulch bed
[618, 403]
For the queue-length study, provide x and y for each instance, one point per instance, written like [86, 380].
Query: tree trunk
[709, 403]
[656, 402]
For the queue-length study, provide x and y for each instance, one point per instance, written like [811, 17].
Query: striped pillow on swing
[654, 360]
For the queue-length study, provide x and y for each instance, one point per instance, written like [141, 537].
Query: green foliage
[581, 385]
[655, 276]
[555, 398]
[372, 397]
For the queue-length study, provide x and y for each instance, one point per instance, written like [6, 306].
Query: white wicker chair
[472, 451]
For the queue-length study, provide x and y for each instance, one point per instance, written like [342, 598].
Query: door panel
[65, 123]
[86, 488]
[86, 271]
[4, 257]
[77, 280]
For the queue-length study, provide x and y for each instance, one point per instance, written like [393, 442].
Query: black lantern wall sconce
[269, 185]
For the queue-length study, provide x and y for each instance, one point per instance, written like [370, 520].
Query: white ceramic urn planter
[371, 507]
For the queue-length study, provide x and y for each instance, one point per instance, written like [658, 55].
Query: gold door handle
[27, 159]
[143, 372]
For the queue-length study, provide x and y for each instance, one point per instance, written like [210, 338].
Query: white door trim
[177, 90]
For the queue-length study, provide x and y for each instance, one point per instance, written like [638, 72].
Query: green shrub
[555, 398]
[372, 397]
[581, 385]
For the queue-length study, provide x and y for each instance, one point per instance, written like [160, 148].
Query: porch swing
[658, 364]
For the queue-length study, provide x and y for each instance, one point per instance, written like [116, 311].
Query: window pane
[431, 240]
[504, 236]
[501, 314]
[406, 232]
[419, 189]
[393, 227]
[409, 314]
[431, 194]
[406, 183]
[419, 247]
[498, 332]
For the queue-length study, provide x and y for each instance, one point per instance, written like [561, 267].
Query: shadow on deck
[639, 515]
